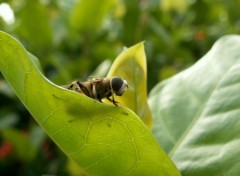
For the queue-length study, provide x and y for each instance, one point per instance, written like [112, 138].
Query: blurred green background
[76, 39]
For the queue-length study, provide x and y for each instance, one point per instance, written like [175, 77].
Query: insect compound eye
[118, 85]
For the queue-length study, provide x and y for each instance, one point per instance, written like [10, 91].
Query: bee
[99, 88]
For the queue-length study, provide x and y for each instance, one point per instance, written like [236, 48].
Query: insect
[99, 88]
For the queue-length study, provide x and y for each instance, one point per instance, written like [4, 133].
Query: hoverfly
[99, 88]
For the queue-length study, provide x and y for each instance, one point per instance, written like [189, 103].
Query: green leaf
[196, 113]
[87, 15]
[74, 169]
[102, 139]
[131, 66]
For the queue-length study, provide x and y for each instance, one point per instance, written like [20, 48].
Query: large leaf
[131, 65]
[197, 113]
[102, 139]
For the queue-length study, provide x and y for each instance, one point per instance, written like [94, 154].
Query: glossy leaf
[102, 139]
[197, 113]
[131, 66]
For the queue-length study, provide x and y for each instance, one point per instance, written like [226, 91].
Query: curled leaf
[102, 139]
[131, 66]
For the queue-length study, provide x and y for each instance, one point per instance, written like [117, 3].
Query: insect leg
[71, 86]
[113, 101]
[100, 100]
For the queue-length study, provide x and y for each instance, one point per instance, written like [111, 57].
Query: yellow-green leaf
[102, 139]
[131, 66]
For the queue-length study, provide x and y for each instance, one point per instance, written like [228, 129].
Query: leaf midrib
[198, 114]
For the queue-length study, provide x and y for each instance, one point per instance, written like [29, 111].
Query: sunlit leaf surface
[197, 113]
[102, 139]
[131, 66]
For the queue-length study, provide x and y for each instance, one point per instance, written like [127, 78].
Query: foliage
[98, 139]
[176, 34]
[196, 113]
[131, 65]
